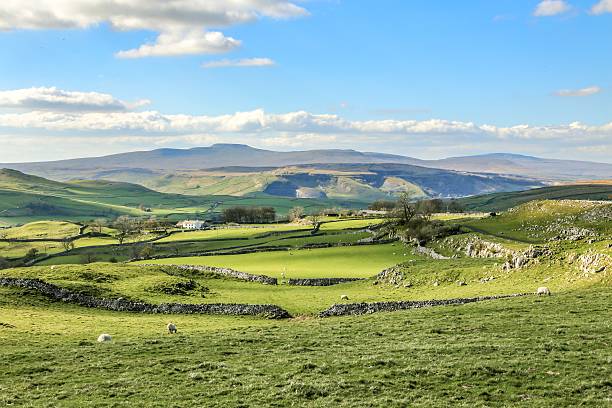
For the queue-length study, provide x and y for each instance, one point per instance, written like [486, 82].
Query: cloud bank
[50, 117]
[53, 99]
[183, 26]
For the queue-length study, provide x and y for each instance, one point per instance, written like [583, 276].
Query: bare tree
[97, 225]
[151, 224]
[68, 244]
[125, 226]
[296, 213]
[405, 209]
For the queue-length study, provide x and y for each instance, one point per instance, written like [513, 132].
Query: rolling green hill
[25, 198]
[503, 201]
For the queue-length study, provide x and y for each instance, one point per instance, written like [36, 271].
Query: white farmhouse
[192, 224]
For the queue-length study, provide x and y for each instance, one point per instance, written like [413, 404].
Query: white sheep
[344, 297]
[543, 290]
[104, 338]
[172, 328]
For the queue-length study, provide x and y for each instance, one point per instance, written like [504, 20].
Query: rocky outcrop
[421, 250]
[266, 280]
[392, 275]
[124, 305]
[320, 281]
[592, 262]
[520, 259]
[479, 248]
[476, 247]
[352, 309]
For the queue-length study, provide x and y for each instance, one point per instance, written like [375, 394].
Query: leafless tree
[296, 213]
[68, 244]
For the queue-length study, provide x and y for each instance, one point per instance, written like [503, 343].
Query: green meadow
[527, 351]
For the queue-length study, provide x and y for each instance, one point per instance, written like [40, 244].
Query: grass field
[290, 235]
[504, 201]
[42, 230]
[348, 262]
[539, 221]
[525, 352]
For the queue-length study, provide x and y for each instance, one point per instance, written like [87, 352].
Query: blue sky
[421, 78]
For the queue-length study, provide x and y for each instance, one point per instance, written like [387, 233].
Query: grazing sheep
[172, 328]
[344, 297]
[543, 290]
[104, 338]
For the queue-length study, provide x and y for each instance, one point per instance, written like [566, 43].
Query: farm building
[192, 224]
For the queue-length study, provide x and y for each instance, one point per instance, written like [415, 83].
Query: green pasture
[523, 352]
[348, 262]
[42, 230]
[504, 201]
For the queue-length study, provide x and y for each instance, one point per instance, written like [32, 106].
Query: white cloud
[591, 90]
[547, 8]
[53, 99]
[246, 62]
[76, 121]
[603, 6]
[273, 126]
[191, 42]
[182, 25]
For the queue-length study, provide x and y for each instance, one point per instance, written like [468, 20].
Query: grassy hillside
[42, 230]
[503, 201]
[542, 221]
[25, 198]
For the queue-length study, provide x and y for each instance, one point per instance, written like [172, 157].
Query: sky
[425, 79]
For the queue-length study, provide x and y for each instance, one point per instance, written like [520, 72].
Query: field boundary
[320, 281]
[124, 305]
[354, 309]
[232, 273]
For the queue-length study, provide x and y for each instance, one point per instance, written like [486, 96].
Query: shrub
[4, 264]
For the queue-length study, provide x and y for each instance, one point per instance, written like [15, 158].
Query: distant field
[503, 201]
[25, 198]
[539, 221]
[231, 232]
[346, 224]
[349, 262]
[42, 230]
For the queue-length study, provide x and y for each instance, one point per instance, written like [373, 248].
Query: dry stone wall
[320, 281]
[124, 305]
[266, 280]
[352, 309]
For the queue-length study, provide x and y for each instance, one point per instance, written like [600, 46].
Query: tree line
[249, 215]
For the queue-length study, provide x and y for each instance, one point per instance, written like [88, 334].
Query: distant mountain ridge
[238, 155]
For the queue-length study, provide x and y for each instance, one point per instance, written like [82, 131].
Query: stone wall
[124, 305]
[320, 281]
[348, 309]
[266, 280]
